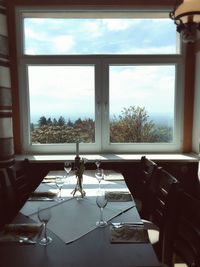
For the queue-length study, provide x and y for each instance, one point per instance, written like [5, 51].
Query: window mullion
[105, 106]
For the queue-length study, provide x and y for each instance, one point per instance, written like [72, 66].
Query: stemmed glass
[97, 162]
[101, 201]
[44, 215]
[60, 180]
[99, 174]
[67, 167]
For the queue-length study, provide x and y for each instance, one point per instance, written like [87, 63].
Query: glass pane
[142, 104]
[62, 100]
[62, 36]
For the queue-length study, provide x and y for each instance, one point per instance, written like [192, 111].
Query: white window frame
[101, 62]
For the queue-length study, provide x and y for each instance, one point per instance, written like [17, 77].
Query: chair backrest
[3, 199]
[166, 188]
[20, 181]
[186, 241]
[147, 168]
[147, 174]
[7, 203]
[164, 185]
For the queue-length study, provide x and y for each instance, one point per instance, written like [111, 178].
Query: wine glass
[60, 180]
[67, 167]
[97, 162]
[44, 215]
[99, 174]
[101, 201]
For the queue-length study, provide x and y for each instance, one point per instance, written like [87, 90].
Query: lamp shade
[188, 11]
[187, 18]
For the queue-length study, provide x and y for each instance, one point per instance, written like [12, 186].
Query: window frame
[101, 62]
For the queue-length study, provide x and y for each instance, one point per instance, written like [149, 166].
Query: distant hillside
[162, 119]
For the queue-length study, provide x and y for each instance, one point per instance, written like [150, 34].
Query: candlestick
[77, 149]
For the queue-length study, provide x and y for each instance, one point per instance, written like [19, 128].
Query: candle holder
[79, 165]
[77, 149]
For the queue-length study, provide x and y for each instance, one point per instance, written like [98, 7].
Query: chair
[163, 188]
[2, 199]
[7, 203]
[186, 236]
[20, 180]
[146, 174]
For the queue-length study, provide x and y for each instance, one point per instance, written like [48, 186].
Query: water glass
[99, 174]
[67, 167]
[97, 163]
[101, 202]
[60, 180]
[44, 215]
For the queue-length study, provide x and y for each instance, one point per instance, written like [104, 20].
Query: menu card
[118, 196]
[128, 234]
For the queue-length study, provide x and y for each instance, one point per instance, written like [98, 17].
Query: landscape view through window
[134, 99]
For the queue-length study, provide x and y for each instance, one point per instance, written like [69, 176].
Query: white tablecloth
[74, 218]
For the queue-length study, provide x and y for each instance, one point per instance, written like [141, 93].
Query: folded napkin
[110, 175]
[42, 195]
[129, 234]
[120, 196]
[49, 180]
[22, 233]
[23, 228]
[51, 176]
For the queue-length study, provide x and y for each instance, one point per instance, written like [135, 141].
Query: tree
[164, 134]
[78, 121]
[55, 122]
[132, 125]
[87, 130]
[70, 123]
[49, 121]
[42, 121]
[61, 121]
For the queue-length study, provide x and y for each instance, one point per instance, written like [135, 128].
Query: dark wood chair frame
[146, 175]
[186, 235]
[21, 181]
[163, 190]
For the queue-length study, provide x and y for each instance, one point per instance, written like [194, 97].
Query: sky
[69, 90]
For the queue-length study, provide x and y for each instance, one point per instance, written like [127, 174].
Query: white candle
[77, 148]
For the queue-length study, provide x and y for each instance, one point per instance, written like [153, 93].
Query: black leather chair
[146, 175]
[163, 188]
[2, 199]
[186, 236]
[7, 202]
[20, 179]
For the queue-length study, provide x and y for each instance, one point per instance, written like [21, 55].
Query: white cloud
[62, 43]
[148, 50]
[31, 33]
[71, 89]
[150, 87]
[94, 28]
[119, 24]
[61, 89]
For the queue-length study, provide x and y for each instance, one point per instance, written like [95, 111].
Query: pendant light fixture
[186, 16]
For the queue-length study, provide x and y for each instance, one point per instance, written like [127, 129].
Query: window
[64, 92]
[137, 100]
[107, 79]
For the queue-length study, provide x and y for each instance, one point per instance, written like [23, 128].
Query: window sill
[190, 157]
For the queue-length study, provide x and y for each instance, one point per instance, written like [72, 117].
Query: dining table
[76, 239]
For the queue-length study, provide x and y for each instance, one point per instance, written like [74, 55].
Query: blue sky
[57, 90]
[99, 36]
